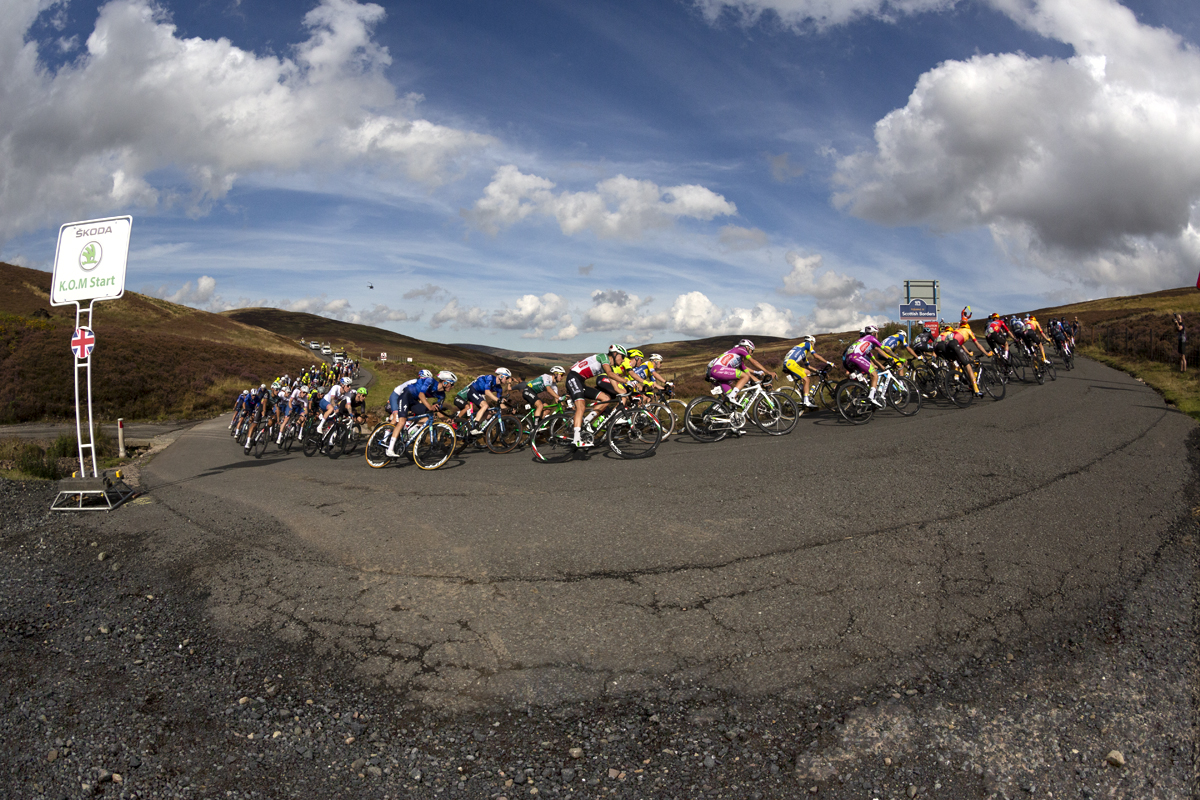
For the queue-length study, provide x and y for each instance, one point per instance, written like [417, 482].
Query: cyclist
[795, 363]
[1059, 336]
[542, 383]
[897, 340]
[1035, 335]
[487, 389]
[419, 397]
[622, 366]
[238, 405]
[727, 368]
[997, 334]
[262, 410]
[958, 346]
[295, 407]
[595, 366]
[647, 372]
[859, 358]
[329, 402]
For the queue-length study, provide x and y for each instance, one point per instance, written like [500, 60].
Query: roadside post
[89, 266]
[121, 437]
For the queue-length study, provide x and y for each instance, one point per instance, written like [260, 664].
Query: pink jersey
[731, 358]
[863, 346]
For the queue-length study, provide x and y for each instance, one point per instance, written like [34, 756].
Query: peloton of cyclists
[416, 398]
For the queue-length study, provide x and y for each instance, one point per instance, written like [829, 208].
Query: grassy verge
[1181, 389]
[26, 459]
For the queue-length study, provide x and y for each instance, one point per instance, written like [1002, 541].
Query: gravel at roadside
[114, 684]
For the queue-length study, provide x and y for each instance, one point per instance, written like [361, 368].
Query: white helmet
[346, 381]
[424, 373]
[503, 372]
[746, 343]
[655, 357]
[557, 371]
[810, 338]
[870, 330]
[446, 376]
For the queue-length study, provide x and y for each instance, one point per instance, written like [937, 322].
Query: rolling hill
[153, 359]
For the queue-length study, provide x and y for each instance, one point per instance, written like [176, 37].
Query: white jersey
[334, 393]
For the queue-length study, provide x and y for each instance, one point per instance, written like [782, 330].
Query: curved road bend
[829, 558]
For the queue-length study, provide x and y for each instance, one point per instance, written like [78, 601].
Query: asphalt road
[834, 557]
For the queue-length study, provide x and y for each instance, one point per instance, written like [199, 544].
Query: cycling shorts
[530, 396]
[297, 407]
[476, 397]
[796, 368]
[608, 387]
[997, 340]
[857, 363]
[393, 403]
[460, 402]
[722, 374]
[577, 389]
[960, 354]
[324, 405]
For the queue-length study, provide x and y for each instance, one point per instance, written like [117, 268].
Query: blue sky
[559, 175]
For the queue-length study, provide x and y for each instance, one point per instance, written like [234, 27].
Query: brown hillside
[295, 325]
[153, 359]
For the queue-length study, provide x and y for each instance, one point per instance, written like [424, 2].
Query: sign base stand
[103, 493]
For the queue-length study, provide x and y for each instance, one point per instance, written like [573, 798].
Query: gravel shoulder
[114, 683]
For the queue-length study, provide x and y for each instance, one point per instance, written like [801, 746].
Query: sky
[558, 176]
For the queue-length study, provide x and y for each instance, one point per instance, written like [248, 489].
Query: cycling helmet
[870, 330]
[746, 343]
[655, 357]
[446, 376]
[809, 338]
[362, 390]
[902, 336]
[994, 315]
[504, 372]
[557, 371]
[617, 350]
[346, 381]
[254, 392]
[304, 388]
[262, 386]
[275, 386]
[424, 373]
[635, 353]
[245, 391]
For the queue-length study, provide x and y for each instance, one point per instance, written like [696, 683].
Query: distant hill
[352, 338]
[153, 359]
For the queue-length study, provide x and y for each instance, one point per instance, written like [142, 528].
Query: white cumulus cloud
[620, 207]
[1087, 167]
[843, 302]
[693, 314]
[818, 14]
[140, 98]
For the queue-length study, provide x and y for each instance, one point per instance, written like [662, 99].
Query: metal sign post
[89, 265]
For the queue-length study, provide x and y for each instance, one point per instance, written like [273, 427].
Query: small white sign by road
[90, 261]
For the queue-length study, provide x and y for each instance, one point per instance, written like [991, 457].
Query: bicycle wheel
[1052, 371]
[957, 387]
[259, 445]
[991, 384]
[504, 434]
[792, 391]
[352, 436]
[775, 413]
[705, 420]
[376, 451]
[666, 418]
[678, 414]
[551, 440]
[853, 403]
[926, 380]
[433, 446]
[904, 396]
[1039, 373]
[824, 395]
[634, 433]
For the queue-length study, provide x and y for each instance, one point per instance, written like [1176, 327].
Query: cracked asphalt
[978, 602]
[786, 566]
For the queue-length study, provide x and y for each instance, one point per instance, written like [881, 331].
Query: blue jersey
[485, 383]
[899, 339]
[799, 353]
[425, 386]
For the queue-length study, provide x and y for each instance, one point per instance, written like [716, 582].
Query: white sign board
[383, 356]
[90, 261]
